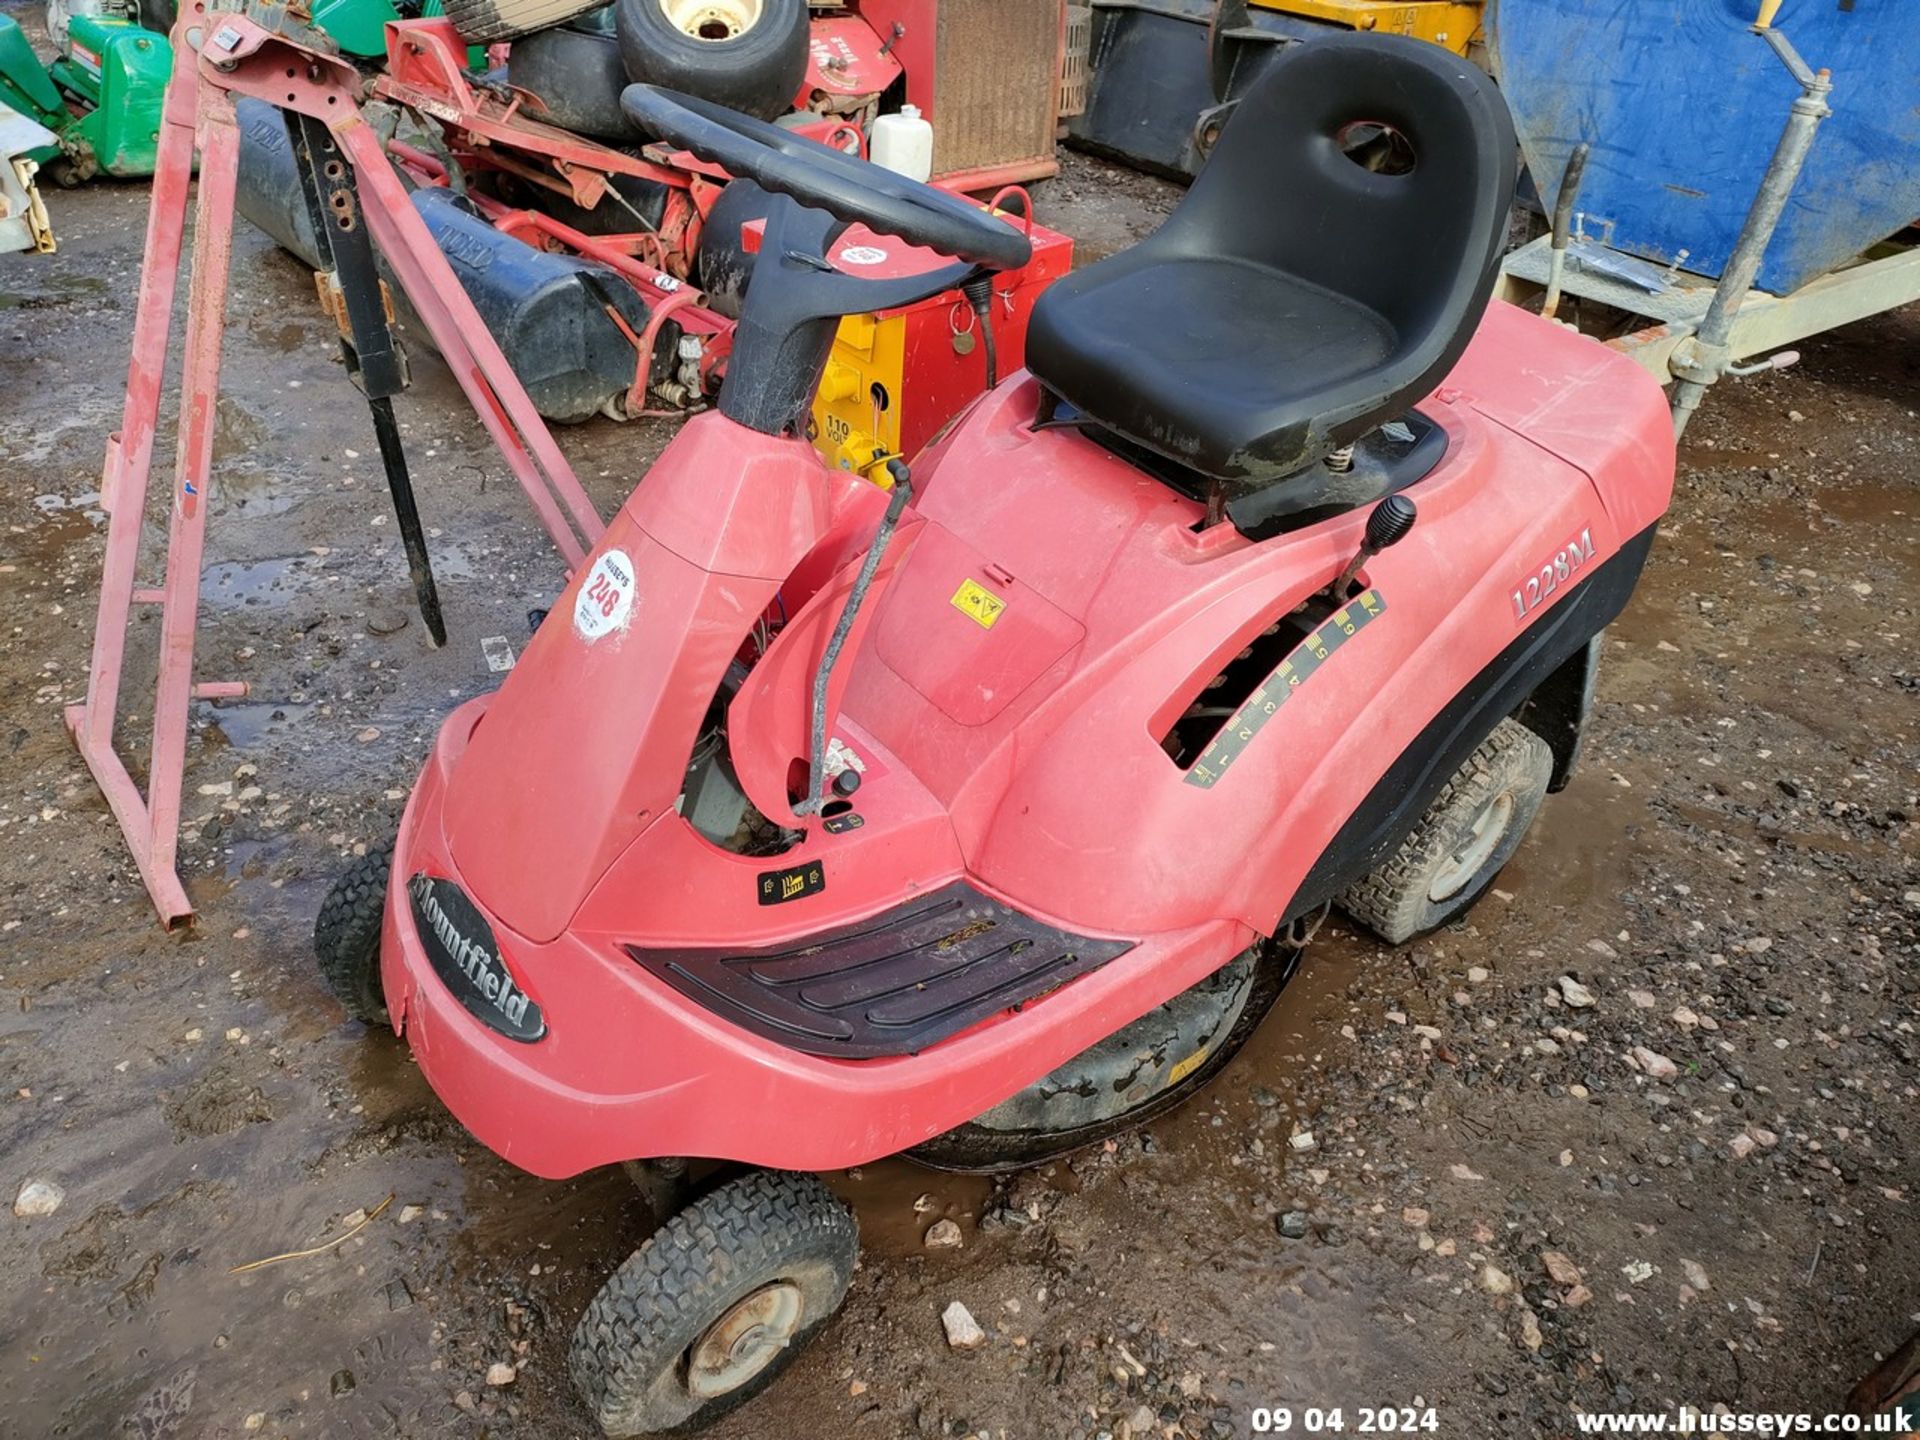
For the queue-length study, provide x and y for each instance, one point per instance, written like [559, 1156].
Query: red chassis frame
[198, 117]
[426, 73]
[485, 132]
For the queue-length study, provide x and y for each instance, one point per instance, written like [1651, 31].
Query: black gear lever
[1388, 525]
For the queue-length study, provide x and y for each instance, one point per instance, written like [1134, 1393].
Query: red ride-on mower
[984, 816]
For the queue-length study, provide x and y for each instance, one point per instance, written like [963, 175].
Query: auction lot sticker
[605, 601]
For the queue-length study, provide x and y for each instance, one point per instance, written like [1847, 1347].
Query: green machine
[101, 94]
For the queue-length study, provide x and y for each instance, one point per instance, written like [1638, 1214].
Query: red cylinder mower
[983, 816]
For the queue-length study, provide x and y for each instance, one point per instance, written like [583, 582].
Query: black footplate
[892, 985]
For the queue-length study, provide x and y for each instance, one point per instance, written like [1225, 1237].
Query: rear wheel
[1140, 1071]
[749, 55]
[346, 935]
[715, 1304]
[1469, 832]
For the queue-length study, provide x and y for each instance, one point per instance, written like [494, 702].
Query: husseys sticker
[605, 601]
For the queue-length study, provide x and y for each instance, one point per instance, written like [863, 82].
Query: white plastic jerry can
[902, 143]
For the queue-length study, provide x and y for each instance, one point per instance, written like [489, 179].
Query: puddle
[247, 724]
[58, 288]
[897, 1200]
[246, 493]
[288, 336]
[253, 582]
[1582, 848]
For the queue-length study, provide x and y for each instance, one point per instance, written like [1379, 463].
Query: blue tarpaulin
[1683, 103]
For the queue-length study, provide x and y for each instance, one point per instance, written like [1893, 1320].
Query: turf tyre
[983, 1148]
[576, 74]
[481, 22]
[1413, 891]
[758, 70]
[346, 935]
[631, 1351]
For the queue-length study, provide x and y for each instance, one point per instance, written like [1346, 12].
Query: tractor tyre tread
[481, 22]
[726, 1244]
[975, 1149]
[1392, 900]
[346, 934]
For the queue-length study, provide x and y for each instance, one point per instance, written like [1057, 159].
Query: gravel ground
[1629, 1136]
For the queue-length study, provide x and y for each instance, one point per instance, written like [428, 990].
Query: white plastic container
[902, 143]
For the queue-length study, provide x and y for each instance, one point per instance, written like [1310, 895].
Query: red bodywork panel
[1024, 756]
[937, 381]
[846, 63]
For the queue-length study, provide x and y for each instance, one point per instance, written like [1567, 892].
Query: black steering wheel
[819, 176]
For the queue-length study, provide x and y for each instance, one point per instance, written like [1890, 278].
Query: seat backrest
[1346, 232]
[1417, 241]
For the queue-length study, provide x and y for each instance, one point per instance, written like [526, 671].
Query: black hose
[979, 293]
[1569, 191]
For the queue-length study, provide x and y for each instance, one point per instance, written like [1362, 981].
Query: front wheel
[346, 935]
[715, 1304]
[1467, 834]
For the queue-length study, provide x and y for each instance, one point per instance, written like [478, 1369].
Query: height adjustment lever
[1388, 525]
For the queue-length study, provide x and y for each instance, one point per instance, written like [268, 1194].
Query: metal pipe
[1563, 226]
[1702, 359]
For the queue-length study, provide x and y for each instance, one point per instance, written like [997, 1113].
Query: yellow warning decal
[978, 603]
[1186, 1067]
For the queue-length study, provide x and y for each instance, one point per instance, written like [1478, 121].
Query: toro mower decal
[1273, 692]
[461, 948]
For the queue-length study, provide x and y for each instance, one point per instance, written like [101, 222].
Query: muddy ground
[1355, 1213]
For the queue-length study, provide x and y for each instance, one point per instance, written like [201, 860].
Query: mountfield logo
[461, 947]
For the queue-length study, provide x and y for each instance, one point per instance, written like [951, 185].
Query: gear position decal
[794, 883]
[1272, 693]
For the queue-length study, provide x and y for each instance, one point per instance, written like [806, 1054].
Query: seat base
[1212, 361]
[1399, 453]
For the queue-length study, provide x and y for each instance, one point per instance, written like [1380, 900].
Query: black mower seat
[1325, 271]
